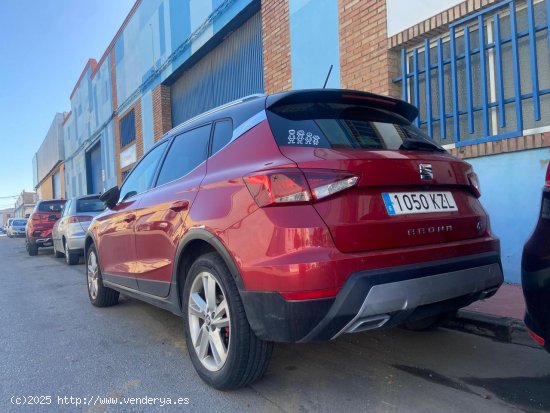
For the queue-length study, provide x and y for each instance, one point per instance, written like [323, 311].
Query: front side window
[141, 176]
[187, 152]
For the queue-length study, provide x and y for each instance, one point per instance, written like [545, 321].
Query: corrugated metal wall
[232, 70]
[51, 150]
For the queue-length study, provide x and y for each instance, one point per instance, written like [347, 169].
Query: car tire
[70, 257]
[32, 248]
[99, 295]
[429, 323]
[218, 327]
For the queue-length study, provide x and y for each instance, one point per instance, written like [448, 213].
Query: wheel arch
[194, 244]
[87, 242]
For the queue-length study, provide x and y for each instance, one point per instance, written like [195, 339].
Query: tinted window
[223, 132]
[141, 176]
[51, 206]
[89, 205]
[344, 126]
[187, 152]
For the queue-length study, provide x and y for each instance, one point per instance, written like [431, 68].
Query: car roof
[89, 196]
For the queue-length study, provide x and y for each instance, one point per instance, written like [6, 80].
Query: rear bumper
[76, 243]
[44, 242]
[375, 298]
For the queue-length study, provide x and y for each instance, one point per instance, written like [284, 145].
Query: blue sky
[45, 45]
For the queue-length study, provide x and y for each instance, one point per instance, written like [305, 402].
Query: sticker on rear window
[302, 137]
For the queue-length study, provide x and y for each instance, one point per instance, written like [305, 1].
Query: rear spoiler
[356, 97]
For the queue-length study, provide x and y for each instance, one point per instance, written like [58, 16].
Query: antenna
[328, 75]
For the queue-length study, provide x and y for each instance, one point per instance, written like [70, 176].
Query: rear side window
[51, 206]
[187, 152]
[89, 205]
[223, 132]
[342, 126]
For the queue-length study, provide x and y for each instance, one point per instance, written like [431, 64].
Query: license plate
[400, 203]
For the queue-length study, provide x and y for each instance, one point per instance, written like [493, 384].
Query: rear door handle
[129, 218]
[179, 206]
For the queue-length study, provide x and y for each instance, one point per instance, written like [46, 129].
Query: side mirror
[110, 197]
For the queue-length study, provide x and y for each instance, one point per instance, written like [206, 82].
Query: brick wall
[162, 111]
[534, 141]
[136, 107]
[276, 46]
[366, 63]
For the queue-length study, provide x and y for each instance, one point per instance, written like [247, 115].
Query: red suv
[294, 217]
[40, 224]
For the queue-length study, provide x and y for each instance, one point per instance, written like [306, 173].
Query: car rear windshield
[19, 223]
[51, 206]
[89, 205]
[345, 126]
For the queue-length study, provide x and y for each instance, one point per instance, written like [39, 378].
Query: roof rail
[217, 109]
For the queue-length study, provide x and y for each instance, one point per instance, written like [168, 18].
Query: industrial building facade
[481, 93]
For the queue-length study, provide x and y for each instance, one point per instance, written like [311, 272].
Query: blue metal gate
[230, 71]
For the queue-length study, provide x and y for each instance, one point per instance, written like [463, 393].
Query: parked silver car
[70, 230]
[16, 227]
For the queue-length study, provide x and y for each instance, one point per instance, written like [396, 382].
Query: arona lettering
[429, 230]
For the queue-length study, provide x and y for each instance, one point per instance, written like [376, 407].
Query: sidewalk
[507, 302]
[499, 317]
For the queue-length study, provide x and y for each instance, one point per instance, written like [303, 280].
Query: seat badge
[426, 172]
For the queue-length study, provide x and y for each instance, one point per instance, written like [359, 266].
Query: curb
[503, 329]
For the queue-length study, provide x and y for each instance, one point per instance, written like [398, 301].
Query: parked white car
[16, 227]
[70, 230]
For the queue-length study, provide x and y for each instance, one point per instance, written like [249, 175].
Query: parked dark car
[40, 224]
[294, 217]
[69, 231]
[535, 273]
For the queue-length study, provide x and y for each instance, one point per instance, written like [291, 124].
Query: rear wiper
[419, 145]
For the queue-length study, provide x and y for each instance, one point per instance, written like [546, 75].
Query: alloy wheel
[209, 321]
[93, 274]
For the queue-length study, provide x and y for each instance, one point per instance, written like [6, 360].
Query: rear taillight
[547, 180]
[536, 337]
[290, 186]
[73, 219]
[474, 184]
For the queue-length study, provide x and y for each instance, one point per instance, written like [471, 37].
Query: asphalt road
[54, 343]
